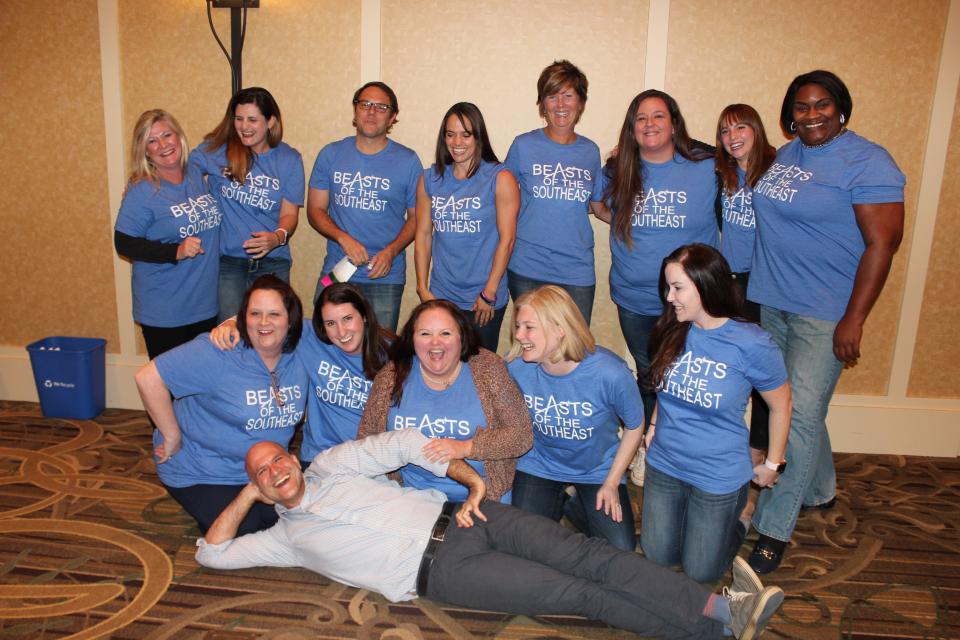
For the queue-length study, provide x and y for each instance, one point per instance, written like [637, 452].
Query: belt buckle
[253, 265]
[439, 531]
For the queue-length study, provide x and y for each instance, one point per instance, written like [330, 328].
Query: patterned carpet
[92, 547]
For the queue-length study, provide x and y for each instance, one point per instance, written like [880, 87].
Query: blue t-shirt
[338, 393]
[454, 413]
[465, 236]
[557, 183]
[701, 436]
[739, 225]
[576, 417]
[369, 199]
[181, 293]
[276, 175]
[224, 403]
[675, 208]
[808, 241]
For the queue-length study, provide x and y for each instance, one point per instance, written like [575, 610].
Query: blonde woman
[168, 227]
[578, 394]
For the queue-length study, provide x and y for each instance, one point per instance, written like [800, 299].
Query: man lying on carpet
[342, 518]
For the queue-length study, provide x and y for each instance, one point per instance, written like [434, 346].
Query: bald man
[344, 519]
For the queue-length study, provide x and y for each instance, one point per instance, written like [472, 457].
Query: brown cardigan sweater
[507, 435]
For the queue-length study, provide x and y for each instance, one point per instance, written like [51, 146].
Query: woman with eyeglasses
[257, 180]
[224, 402]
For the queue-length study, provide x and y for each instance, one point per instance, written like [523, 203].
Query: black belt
[437, 535]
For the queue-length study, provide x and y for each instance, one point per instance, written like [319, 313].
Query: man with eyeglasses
[363, 192]
[342, 518]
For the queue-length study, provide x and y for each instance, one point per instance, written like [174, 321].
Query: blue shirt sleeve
[765, 368]
[291, 178]
[191, 368]
[320, 176]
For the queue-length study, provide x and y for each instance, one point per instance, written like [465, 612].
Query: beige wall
[57, 253]
[312, 54]
[936, 360]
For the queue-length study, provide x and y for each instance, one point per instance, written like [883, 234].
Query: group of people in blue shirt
[736, 270]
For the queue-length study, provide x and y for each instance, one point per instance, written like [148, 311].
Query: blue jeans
[384, 298]
[636, 332]
[582, 296]
[236, 276]
[684, 525]
[546, 498]
[810, 478]
[490, 332]
[524, 564]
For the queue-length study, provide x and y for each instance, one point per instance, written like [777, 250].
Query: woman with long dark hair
[440, 381]
[258, 181]
[706, 359]
[743, 155]
[467, 206]
[829, 219]
[661, 193]
[342, 350]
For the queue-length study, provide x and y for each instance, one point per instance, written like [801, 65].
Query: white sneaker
[750, 612]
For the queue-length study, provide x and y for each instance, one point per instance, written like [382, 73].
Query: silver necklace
[825, 144]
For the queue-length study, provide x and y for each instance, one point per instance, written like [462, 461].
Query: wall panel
[936, 359]
[57, 265]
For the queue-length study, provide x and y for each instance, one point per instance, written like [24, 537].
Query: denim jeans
[546, 498]
[524, 564]
[236, 276]
[636, 332]
[384, 298]
[490, 332]
[810, 478]
[582, 296]
[684, 525]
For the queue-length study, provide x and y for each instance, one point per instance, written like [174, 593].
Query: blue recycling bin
[71, 376]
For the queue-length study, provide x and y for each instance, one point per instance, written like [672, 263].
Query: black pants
[162, 339]
[760, 413]
[206, 501]
[522, 563]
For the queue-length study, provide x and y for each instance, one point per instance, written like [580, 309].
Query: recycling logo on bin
[48, 383]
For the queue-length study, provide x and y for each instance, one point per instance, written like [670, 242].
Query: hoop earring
[793, 126]
[842, 119]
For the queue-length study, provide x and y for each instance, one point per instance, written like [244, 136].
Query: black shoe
[767, 554]
[826, 506]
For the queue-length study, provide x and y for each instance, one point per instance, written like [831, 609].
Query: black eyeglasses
[366, 105]
[275, 388]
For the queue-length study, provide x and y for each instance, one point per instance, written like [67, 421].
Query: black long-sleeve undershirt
[143, 250]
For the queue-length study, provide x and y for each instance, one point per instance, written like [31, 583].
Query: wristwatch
[773, 466]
